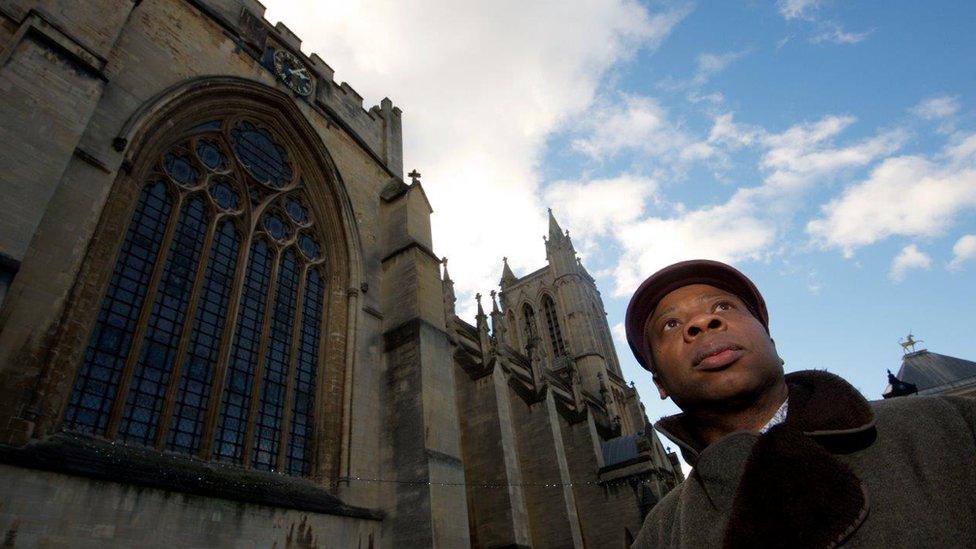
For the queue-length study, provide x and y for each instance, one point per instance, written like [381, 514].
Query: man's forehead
[691, 292]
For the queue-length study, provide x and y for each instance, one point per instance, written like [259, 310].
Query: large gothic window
[552, 322]
[207, 339]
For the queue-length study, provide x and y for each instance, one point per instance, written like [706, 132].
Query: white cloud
[482, 86]
[834, 33]
[963, 251]
[709, 64]
[942, 106]
[636, 123]
[797, 9]
[749, 224]
[825, 30]
[907, 195]
[593, 207]
[728, 232]
[909, 258]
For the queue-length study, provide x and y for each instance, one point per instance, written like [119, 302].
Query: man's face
[709, 351]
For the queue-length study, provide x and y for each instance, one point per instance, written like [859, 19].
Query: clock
[292, 72]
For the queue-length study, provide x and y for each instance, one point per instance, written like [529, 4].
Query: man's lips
[717, 356]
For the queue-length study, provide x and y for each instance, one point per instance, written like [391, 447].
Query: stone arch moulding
[147, 134]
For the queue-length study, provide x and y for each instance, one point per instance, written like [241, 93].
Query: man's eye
[670, 324]
[724, 306]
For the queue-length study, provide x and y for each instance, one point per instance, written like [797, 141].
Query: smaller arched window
[528, 324]
[552, 322]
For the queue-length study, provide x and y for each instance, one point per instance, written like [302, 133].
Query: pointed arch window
[207, 340]
[528, 324]
[552, 322]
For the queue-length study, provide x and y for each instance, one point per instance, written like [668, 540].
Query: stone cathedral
[223, 322]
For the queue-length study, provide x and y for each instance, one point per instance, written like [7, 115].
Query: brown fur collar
[793, 491]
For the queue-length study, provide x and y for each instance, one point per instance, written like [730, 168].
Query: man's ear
[661, 390]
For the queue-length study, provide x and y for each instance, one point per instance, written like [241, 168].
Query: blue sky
[826, 148]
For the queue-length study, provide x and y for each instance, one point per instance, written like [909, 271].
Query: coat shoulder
[954, 413]
[660, 520]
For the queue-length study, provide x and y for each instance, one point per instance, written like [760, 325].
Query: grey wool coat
[840, 471]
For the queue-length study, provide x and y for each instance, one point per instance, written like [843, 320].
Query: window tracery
[208, 337]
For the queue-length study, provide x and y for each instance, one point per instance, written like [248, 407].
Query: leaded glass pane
[275, 226]
[258, 152]
[210, 154]
[152, 371]
[296, 211]
[308, 246]
[267, 427]
[299, 442]
[179, 168]
[196, 376]
[224, 195]
[98, 377]
[229, 438]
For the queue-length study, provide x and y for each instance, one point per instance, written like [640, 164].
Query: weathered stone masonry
[426, 431]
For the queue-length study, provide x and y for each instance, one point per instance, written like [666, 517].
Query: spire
[447, 275]
[507, 275]
[555, 231]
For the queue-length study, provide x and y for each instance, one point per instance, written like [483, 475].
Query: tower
[563, 305]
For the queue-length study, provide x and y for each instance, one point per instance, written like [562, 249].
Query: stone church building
[223, 323]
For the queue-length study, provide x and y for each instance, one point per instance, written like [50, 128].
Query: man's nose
[703, 323]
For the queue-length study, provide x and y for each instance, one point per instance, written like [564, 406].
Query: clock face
[291, 71]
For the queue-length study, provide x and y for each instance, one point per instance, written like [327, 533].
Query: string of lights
[492, 484]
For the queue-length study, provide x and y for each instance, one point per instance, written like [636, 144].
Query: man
[798, 460]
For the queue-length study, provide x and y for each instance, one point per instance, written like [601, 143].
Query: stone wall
[44, 509]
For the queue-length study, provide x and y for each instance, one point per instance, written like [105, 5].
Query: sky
[825, 148]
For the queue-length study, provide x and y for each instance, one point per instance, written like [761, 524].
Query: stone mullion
[174, 377]
[226, 345]
[297, 326]
[118, 404]
[269, 304]
[321, 467]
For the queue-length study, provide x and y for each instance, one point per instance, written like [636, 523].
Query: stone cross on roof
[414, 176]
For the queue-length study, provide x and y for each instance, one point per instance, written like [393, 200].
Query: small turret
[498, 325]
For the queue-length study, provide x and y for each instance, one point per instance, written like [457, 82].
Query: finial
[909, 343]
[414, 176]
[477, 297]
[494, 304]
[444, 261]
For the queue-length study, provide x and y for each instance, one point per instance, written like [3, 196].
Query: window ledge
[95, 458]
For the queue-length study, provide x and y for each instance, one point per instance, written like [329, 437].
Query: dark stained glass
[299, 442]
[267, 427]
[152, 371]
[224, 195]
[552, 322]
[258, 152]
[308, 246]
[98, 377]
[275, 226]
[209, 153]
[296, 211]
[179, 168]
[196, 375]
[232, 424]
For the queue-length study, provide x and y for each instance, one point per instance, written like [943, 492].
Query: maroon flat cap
[686, 273]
